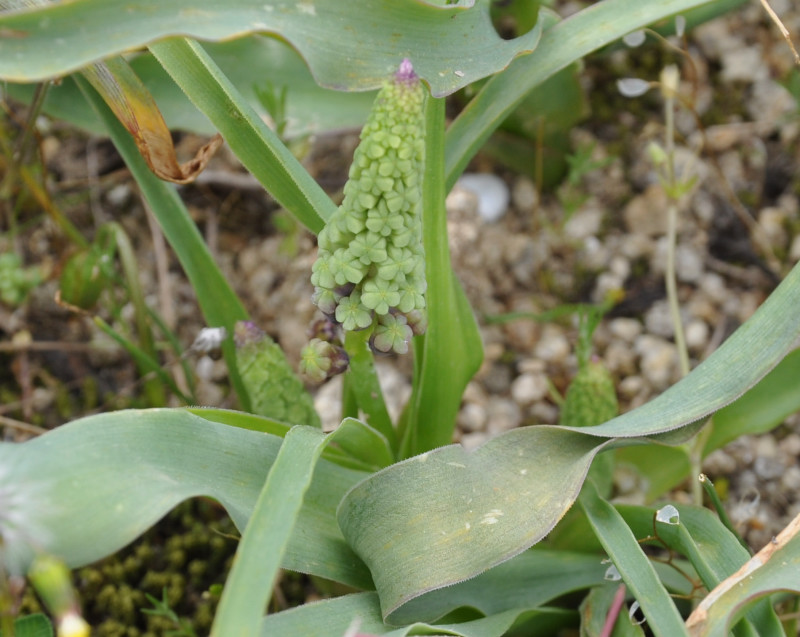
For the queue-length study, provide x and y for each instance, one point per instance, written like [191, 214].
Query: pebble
[644, 214]
[553, 346]
[790, 480]
[472, 441]
[794, 251]
[745, 64]
[631, 386]
[697, 334]
[658, 319]
[768, 468]
[492, 192]
[528, 388]
[620, 358]
[524, 195]
[472, 417]
[544, 413]
[498, 379]
[688, 263]
[584, 223]
[719, 462]
[658, 360]
[502, 415]
[626, 329]
[772, 222]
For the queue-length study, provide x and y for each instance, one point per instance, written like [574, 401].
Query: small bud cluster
[324, 357]
[275, 391]
[370, 270]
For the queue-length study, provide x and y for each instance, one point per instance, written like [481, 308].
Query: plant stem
[695, 446]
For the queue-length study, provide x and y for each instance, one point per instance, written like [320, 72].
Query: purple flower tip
[246, 332]
[406, 72]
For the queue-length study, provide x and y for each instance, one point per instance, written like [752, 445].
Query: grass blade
[266, 537]
[218, 302]
[636, 570]
[254, 143]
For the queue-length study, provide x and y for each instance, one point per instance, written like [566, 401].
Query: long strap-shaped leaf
[347, 45]
[88, 488]
[447, 515]
[637, 571]
[451, 351]
[266, 537]
[219, 303]
[254, 143]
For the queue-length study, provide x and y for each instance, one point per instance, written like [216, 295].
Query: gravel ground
[528, 256]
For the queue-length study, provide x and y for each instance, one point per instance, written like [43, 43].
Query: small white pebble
[625, 328]
[472, 417]
[791, 479]
[697, 334]
[502, 415]
[553, 346]
[529, 388]
[492, 192]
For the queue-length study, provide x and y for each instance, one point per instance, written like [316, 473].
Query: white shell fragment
[492, 192]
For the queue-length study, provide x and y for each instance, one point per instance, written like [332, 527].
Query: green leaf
[744, 359]
[36, 625]
[310, 109]
[773, 569]
[347, 46]
[219, 303]
[362, 611]
[90, 487]
[634, 566]
[713, 550]
[451, 351]
[595, 609]
[267, 535]
[445, 516]
[254, 143]
[762, 408]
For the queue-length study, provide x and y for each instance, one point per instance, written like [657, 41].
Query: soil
[599, 233]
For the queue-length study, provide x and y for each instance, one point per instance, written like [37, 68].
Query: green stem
[711, 492]
[365, 386]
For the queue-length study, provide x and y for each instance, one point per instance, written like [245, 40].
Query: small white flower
[209, 339]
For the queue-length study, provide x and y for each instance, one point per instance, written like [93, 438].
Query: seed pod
[591, 398]
[371, 261]
[275, 391]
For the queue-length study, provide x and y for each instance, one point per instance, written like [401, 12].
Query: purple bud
[405, 73]
[247, 332]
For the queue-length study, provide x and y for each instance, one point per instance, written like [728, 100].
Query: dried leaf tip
[405, 73]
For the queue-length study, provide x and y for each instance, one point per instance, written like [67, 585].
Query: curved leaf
[362, 610]
[636, 569]
[445, 516]
[773, 568]
[310, 109]
[743, 360]
[448, 515]
[88, 488]
[347, 45]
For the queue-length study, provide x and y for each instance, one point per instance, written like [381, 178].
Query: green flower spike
[374, 239]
